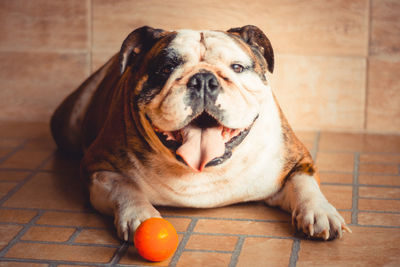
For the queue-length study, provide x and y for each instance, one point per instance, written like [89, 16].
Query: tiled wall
[337, 61]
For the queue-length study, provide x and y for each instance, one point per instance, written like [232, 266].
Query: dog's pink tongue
[200, 146]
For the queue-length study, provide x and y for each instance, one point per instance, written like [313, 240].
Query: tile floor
[45, 219]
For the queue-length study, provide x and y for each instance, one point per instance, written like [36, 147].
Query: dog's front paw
[127, 219]
[319, 219]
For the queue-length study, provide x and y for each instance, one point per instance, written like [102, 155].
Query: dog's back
[67, 122]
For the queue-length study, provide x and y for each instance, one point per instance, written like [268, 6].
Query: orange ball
[156, 239]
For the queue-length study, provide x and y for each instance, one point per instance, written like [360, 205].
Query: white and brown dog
[188, 119]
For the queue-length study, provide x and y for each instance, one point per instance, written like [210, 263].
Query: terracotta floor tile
[14, 176]
[382, 219]
[95, 236]
[180, 224]
[132, 257]
[212, 242]
[346, 216]
[76, 219]
[4, 152]
[16, 216]
[50, 191]
[50, 234]
[43, 143]
[6, 187]
[25, 130]
[265, 252]
[252, 211]
[338, 162]
[21, 264]
[379, 192]
[340, 178]
[364, 247]
[26, 159]
[7, 233]
[379, 168]
[60, 252]
[199, 259]
[382, 158]
[9, 142]
[339, 196]
[376, 179]
[243, 228]
[379, 205]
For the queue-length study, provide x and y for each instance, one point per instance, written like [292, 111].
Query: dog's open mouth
[203, 142]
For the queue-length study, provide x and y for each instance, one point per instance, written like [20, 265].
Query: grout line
[24, 181]
[237, 251]
[13, 151]
[119, 253]
[369, 39]
[20, 234]
[52, 262]
[379, 226]
[89, 4]
[294, 256]
[379, 198]
[355, 196]
[380, 211]
[208, 251]
[182, 244]
[74, 235]
[68, 243]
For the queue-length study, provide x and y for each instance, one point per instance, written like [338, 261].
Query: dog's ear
[256, 38]
[138, 41]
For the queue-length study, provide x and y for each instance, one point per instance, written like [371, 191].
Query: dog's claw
[311, 229]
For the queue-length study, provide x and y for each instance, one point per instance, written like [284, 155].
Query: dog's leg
[311, 211]
[113, 194]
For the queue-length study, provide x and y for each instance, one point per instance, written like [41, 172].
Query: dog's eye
[167, 69]
[237, 68]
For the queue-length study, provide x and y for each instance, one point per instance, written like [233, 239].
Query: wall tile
[43, 24]
[321, 92]
[33, 84]
[314, 27]
[383, 110]
[385, 28]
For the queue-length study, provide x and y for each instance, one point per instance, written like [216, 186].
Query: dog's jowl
[188, 119]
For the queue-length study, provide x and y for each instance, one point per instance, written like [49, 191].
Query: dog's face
[199, 92]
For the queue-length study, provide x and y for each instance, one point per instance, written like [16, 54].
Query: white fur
[252, 173]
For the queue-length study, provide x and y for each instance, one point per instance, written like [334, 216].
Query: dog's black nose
[204, 83]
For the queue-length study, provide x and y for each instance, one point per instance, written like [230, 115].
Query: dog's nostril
[213, 83]
[195, 83]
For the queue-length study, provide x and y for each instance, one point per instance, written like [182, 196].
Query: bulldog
[188, 119]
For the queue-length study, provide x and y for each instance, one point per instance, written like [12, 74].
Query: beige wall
[337, 61]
